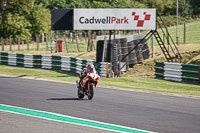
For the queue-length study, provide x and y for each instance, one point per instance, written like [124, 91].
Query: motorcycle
[88, 85]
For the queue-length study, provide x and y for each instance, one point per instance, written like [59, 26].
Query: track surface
[147, 111]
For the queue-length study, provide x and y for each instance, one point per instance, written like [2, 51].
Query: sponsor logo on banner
[140, 23]
[118, 19]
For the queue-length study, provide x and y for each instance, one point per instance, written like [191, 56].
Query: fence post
[81, 37]
[47, 47]
[77, 43]
[93, 36]
[2, 43]
[28, 43]
[89, 43]
[85, 37]
[152, 45]
[56, 43]
[66, 43]
[42, 37]
[73, 36]
[18, 43]
[10, 43]
[37, 41]
[107, 70]
[184, 36]
[104, 46]
[192, 35]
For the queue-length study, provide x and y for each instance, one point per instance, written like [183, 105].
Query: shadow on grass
[13, 77]
[22, 75]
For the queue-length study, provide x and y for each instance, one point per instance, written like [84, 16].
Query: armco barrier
[64, 63]
[177, 71]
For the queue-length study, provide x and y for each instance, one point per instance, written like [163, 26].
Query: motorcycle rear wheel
[80, 95]
[91, 92]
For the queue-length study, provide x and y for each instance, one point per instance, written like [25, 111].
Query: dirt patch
[188, 56]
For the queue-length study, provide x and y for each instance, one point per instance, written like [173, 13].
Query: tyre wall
[120, 47]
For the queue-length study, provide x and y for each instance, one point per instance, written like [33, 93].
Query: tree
[16, 25]
[185, 9]
[26, 19]
[122, 4]
[195, 5]
[40, 20]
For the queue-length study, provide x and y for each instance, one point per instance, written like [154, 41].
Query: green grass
[154, 85]
[135, 83]
[37, 73]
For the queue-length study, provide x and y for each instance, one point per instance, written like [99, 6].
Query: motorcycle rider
[87, 69]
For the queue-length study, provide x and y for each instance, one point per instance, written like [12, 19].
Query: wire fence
[45, 43]
[83, 42]
[187, 33]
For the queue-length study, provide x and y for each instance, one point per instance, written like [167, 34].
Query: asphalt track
[147, 111]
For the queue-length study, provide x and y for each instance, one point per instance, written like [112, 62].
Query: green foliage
[27, 19]
[32, 17]
[171, 20]
[138, 4]
[160, 5]
[185, 9]
[79, 4]
[122, 4]
[16, 25]
[195, 6]
[40, 20]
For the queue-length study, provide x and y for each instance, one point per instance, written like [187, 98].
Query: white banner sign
[114, 19]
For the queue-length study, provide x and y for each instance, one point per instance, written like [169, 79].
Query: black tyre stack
[139, 51]
[115, 58]
[132, 55]
[145, 50]
[124, 48]
[119, 48]
[99, 51]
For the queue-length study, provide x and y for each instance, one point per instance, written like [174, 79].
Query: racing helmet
[90, 68]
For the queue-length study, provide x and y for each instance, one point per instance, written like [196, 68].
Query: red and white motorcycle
[88, 85]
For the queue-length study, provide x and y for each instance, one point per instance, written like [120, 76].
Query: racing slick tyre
[91, 92]
[80, 95]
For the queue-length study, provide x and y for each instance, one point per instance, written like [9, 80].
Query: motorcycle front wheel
[80, 95]
[91, 92]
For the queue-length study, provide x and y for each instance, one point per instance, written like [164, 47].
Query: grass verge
[134, 83]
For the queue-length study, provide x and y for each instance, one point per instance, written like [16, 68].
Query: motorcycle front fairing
[84, 82]
[91, 77]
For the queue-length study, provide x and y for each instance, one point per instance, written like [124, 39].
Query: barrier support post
[107, 70]
[110, 70]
